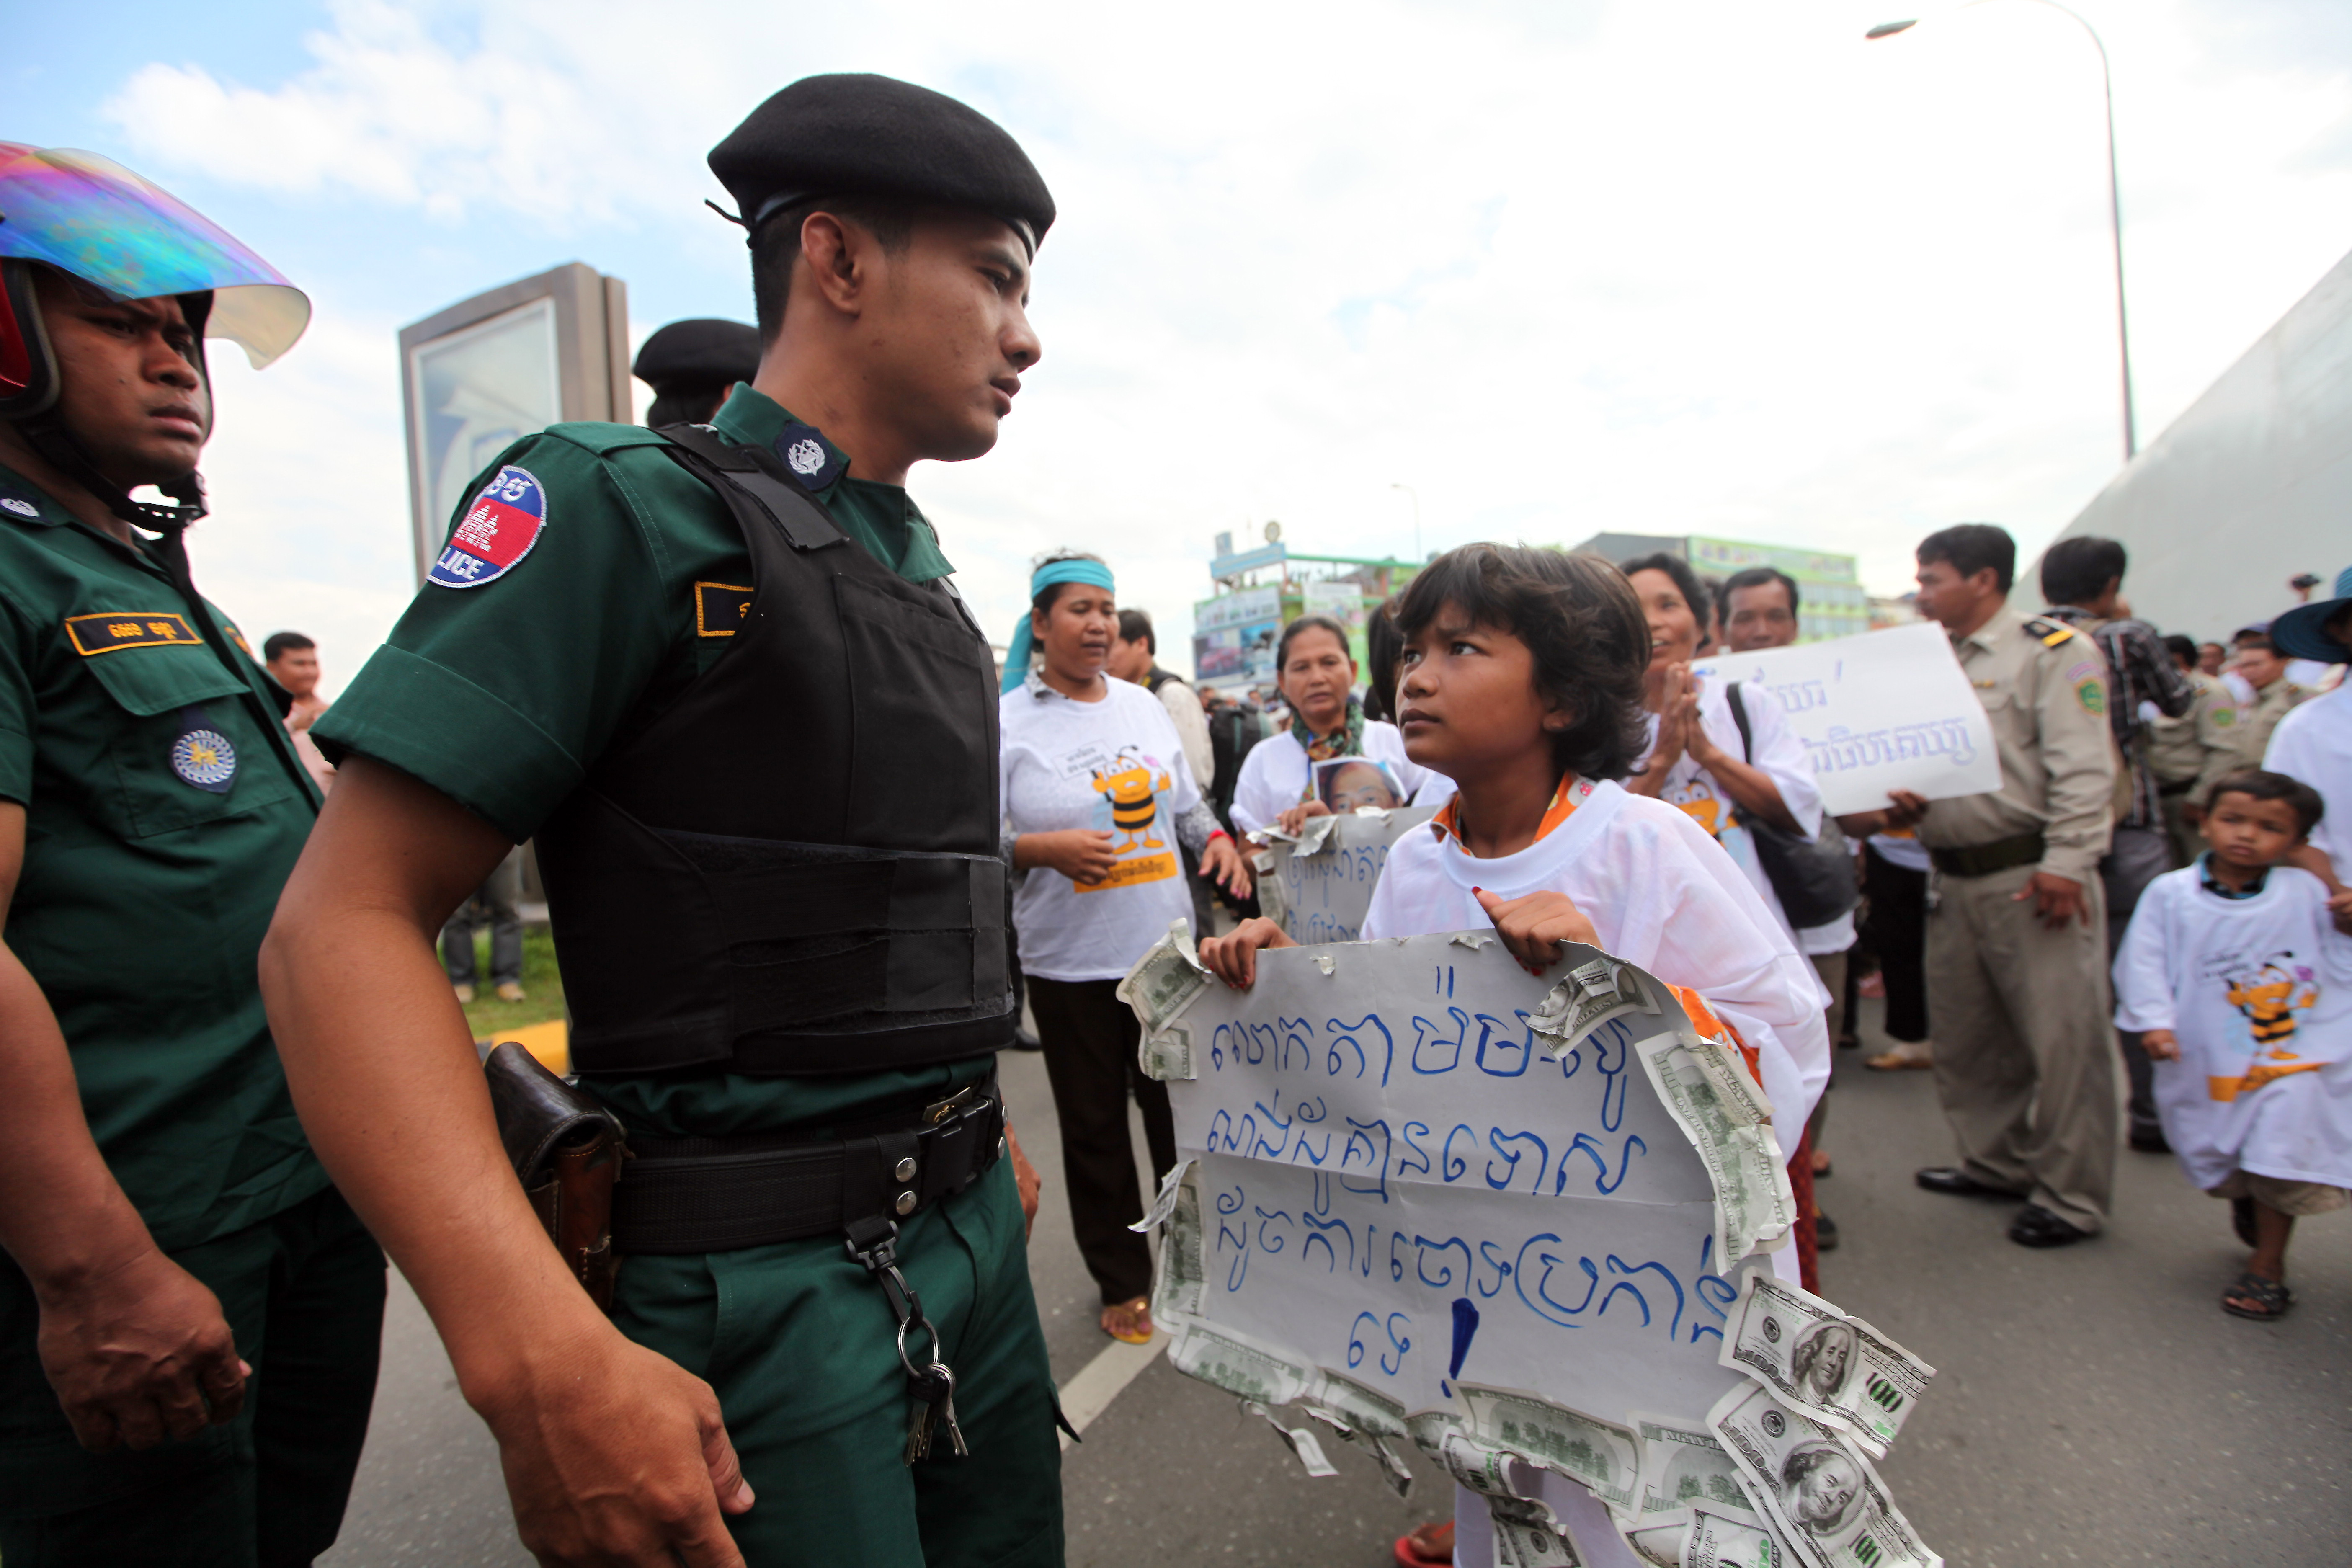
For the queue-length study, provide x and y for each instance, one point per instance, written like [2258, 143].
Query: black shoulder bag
[1814, 878]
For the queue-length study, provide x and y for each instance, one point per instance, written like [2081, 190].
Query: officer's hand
[1025, 1180]
[1233, 959]
[1533, 928]
[1294, 821]
[1081, 854]
[2055, 899]
[140, 1354]
[1222, 862]
[2161, 1046]
[1903, 811]
[616, 1457]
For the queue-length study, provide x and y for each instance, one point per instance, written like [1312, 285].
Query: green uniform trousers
[800, 1343]
[2025, 1053]
[303, 1292]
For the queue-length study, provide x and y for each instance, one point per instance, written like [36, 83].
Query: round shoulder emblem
[806, 456]
[21, 508]
[206, 759]
[497, 531]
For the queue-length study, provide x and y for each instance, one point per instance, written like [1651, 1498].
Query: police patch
[20, 507]
[2093, 695]
[497, 531]
[807, 457]
[115, 629]
[201, 756]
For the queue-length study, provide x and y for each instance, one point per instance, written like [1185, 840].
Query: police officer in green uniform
[691, 366]
[189, 1313]
[718, 674]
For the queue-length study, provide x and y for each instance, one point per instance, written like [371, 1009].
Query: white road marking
[1089, 1392]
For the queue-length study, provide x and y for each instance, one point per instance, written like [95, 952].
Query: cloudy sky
[1704, 265]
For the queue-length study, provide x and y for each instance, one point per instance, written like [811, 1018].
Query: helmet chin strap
[47, 434]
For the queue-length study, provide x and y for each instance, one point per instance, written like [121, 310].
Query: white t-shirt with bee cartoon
[1117, 766]
[2259, 991]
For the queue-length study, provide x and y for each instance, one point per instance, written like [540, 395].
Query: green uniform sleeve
[16, 711]
[500, 695]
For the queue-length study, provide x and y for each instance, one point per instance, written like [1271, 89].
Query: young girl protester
[1521, 679]
[2235, 972]
[1316, 675]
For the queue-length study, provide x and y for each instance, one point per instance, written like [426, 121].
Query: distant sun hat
[2302, 632]
[852, 134]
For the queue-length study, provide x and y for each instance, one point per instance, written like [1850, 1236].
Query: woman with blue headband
[1098, 796]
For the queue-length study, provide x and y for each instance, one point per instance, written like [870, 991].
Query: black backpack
[1814, 878]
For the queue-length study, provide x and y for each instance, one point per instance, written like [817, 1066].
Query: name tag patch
[720, 609]
[201, 756]
[497, 531]
[112, 632]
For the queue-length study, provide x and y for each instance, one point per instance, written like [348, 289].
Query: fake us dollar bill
[1182, 1279]
[1601, 1455]
[1820, 1361]
[1683, 1467]
[1251, 1371]
[1698, 1537]
[1814, 1488]
[1528, 1535]
[1706, 1088]
[1165, 980]
[1593, 994]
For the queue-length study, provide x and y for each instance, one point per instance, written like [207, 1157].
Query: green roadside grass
[542, 986]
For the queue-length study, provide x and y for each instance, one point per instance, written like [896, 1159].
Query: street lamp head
[1888, 29]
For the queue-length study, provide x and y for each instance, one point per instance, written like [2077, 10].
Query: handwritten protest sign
[1317, 886]
[1432, 1201]
[1884, 711]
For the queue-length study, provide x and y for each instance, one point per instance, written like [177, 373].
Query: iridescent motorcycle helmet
[96, 221]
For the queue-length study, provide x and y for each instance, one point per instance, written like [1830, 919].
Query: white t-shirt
[1780, 756]
[1660, 894]
[1115, 765]
[2260, 993]
[1275, 774]
[2313, 744]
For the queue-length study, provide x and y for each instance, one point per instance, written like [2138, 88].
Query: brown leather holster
[567, 1152]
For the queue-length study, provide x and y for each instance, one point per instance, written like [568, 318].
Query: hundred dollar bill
[1593, 994]
[1707, 1091]
[1817, 1360]
[1166, 980]
[1298, 1440]
[1528, 1535]
[1183, 1281]
[1273, 898]
[1683, 1467]
[1484, 1469]
[1814, 1488]
[1393, 1470]
[1698, 1537]
[1599, 1454]
[1165, 1203]
[1362, 1408]
[1248, 1370]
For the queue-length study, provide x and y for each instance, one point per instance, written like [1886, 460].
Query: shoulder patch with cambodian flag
[497, 531]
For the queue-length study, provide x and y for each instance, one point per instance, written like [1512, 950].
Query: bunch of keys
[934, 1392]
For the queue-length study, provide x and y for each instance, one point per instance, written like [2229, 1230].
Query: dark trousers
[2139, 857]
[497, 904]
[1898, 934]
[303, 1292]
[1090, 1039]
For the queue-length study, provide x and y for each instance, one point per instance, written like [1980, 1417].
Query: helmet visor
[90, 216]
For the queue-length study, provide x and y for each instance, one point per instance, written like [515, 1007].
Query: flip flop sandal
[1409, 1556]
[1141, 1304]
[2271, 1297]
[2241, 1220]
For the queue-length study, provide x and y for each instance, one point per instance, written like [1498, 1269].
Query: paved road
[2092, 1404]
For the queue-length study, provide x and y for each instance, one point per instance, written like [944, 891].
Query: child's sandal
[2270, 1299]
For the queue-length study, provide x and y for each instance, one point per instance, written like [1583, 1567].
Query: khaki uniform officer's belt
[686, 1195]
[1984, 860]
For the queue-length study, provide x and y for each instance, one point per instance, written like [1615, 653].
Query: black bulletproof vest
[791, 869]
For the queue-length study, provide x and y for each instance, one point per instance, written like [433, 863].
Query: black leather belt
[1984, 860]
[721, 1194]
[2180, 787]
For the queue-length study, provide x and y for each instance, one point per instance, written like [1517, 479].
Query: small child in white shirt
[2242, 987]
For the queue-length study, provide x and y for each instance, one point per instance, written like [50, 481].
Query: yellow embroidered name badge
[720, 609]
[95, 635]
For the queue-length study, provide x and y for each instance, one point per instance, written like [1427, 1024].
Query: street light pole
[1418, 559]
[2115, 203]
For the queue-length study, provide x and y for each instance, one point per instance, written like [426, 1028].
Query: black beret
[859, 136]
[704, 352]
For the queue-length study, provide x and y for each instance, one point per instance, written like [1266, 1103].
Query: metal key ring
[907, 1362]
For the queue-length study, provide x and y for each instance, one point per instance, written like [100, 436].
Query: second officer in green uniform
[717, 672]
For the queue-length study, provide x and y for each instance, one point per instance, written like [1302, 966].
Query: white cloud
[1714, 267]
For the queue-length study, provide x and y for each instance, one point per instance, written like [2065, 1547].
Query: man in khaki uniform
[2017, 975]
[2239, 734]
[2179, 749]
